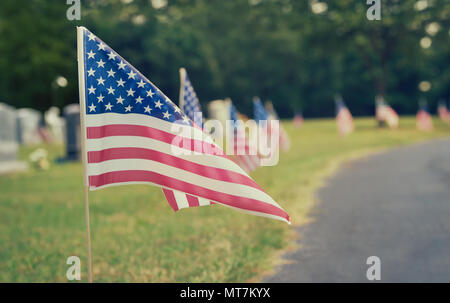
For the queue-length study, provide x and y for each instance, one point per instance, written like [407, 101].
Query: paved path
[394, 205]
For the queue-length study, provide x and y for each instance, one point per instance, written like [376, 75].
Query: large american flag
[130, 138]
[344, 118]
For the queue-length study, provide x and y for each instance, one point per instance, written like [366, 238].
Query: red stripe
[149, 154]
[192, 201]
[98, 132]
[165, 181]
[170, 197]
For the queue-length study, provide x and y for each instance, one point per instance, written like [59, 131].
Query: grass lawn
[136, 237]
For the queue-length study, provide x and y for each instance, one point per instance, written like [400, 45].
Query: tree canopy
[299, 54]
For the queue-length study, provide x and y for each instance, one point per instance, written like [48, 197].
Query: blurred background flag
[385, 114]
[130, 127]
[242, 155]
[285, 143]
[423, 118]
[298, 119]
[189, 102]
[443, 112]
[344, 118]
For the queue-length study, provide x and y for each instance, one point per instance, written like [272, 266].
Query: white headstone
[28, 123]
[8, 140]
[55, 124]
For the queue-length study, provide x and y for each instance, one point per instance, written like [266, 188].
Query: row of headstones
[27, 126]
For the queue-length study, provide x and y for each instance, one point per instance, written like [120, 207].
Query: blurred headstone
[219, 110]
[55, 124]
[8, 140]
[73, 139]
[28, 124]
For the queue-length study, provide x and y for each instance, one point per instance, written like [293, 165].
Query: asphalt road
[394, 205]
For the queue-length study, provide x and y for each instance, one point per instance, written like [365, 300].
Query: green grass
[136, 237]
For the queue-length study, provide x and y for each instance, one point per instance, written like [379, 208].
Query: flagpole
[182, 77]
[81, 84]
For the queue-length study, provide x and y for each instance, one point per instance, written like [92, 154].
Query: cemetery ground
[136, 237]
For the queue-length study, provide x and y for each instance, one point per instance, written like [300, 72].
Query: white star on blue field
[114, 85]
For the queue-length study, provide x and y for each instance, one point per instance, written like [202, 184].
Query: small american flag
[386, 114]
[423, 119]
[130, 133]
[298, 119]
[344, 118]
[285, 142]
[244, 159]
[443, 112]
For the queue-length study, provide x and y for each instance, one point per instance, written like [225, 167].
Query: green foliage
[277, 49]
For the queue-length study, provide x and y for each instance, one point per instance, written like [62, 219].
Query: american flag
[298, 119]
[189, 102]
[344, 118]
[285, 142]
[131, 128]
[386, 114]
[242, 155]
[423, 119]
[443, 112]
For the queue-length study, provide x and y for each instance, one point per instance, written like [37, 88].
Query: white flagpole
[81, 84]
[182, 77]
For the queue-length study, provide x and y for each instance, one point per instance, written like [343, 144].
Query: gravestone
[28, 123]
[8, 140]
[55, 124]
[73, 138]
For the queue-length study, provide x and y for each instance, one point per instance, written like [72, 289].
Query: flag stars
[100, 81]
[185, 119]
[120, 82]
[130, 92]
[147, 109]
[91, 72]
[111, 73]
[131, 75]
[166, 115]
[100, 98]
[121, 65]
[100, 63]
[108, 106]
[150, 93]
[92, 108]
[101, 46]
[91, 90]
[120, 100]
[91, 37]
[111, 90]
[112, 56]
[141, 83]
[158, 104]
[139, 100]
[128, 108]
[91, 55]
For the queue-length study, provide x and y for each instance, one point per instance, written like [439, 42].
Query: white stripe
[170, 171]
[203, 201]
[142, 142]
[181, 199]
[149, 121]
